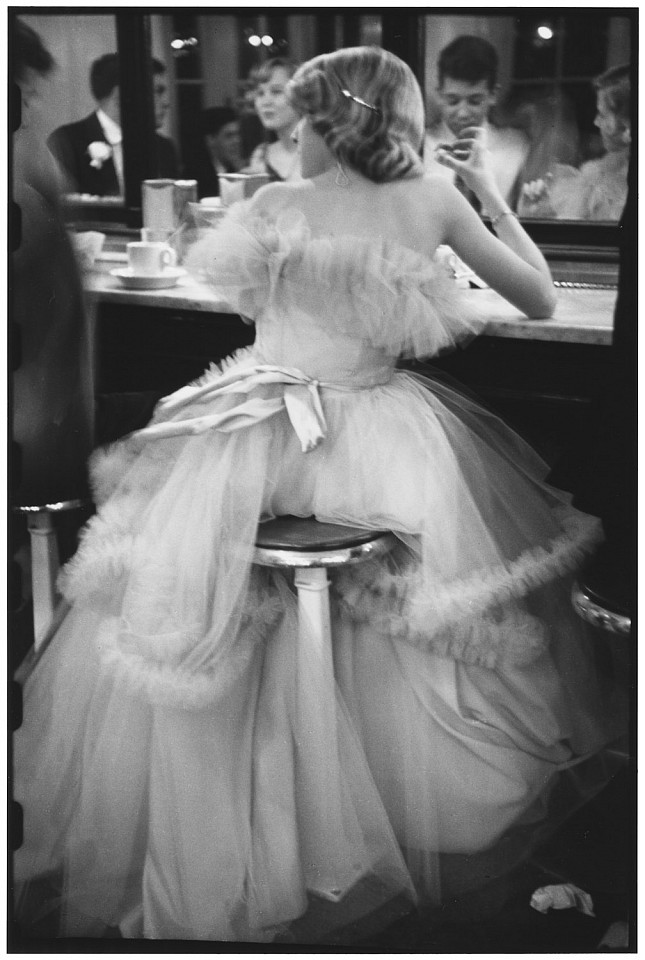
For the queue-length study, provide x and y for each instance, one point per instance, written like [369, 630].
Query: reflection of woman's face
[274, 110]
[613, 130]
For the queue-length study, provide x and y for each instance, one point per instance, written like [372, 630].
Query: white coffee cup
[150, 257]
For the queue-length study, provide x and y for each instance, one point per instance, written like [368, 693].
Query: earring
[342, 180]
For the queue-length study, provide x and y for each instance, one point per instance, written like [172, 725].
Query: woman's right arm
[509, 262]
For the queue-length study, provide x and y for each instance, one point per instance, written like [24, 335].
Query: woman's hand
[511, 264]
[468, 156]
[535, 198]
[536, 190]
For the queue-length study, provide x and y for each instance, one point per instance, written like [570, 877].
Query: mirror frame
[403, 34]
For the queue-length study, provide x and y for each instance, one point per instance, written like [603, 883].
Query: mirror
[76, 42]
[90, 112]
[559, 146]
[545, 100]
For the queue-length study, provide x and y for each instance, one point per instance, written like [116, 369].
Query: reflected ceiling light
[254, 40]
[267, 40]
[180, 43]
[545, 33]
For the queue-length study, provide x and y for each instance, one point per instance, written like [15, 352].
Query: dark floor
[593, 850]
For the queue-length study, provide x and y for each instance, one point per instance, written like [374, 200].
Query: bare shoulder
[437, 190]
[419, 210]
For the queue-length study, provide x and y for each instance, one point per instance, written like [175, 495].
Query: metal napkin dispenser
[164, 202]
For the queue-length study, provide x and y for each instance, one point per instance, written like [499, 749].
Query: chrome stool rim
[598, 616]
[357, 553]
[58, 507]
[305, 542]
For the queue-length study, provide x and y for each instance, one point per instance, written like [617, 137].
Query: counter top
[581, 316]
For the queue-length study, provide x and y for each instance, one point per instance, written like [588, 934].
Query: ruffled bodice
[341, 309]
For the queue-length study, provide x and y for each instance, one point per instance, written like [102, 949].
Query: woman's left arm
[510, 262]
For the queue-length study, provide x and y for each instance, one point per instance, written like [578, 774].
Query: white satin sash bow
[300, 398]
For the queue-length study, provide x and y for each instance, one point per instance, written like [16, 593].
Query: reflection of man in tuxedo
[467, 91]
[221, 149]
[90, 151]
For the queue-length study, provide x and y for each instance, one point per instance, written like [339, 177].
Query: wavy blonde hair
[382, 141]
[616, 85]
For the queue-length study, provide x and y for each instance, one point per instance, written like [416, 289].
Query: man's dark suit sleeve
[167, 162]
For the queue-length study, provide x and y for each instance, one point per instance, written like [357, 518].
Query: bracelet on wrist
[505, 213]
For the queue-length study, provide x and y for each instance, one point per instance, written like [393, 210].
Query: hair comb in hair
[363, 103]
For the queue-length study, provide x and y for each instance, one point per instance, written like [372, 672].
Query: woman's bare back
[411, 212]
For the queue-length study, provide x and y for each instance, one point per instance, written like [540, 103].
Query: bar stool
[310, 548]
[45, 561]
[599, 598]
[599, 610]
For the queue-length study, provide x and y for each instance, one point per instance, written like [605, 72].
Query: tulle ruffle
[152, 665]
[246, 256]
[445, 590]
[477, 620]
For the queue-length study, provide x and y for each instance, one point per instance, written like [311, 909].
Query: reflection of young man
[90, 150]
[467, 90]
[222, 149]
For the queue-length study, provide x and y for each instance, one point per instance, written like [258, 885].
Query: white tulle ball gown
[186, 768]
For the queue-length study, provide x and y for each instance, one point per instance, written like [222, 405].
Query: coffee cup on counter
[150, 258]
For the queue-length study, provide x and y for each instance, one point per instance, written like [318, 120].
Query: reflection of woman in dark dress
[278, 155]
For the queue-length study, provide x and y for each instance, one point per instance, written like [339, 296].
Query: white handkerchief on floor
[562, 897]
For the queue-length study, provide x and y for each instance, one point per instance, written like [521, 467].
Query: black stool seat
[305, 542]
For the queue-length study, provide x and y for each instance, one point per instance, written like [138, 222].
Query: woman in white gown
[598, 190]
[172, 779]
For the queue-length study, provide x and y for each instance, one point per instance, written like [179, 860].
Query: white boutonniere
[99, 152]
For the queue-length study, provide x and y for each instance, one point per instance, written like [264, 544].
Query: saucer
[148, 281]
